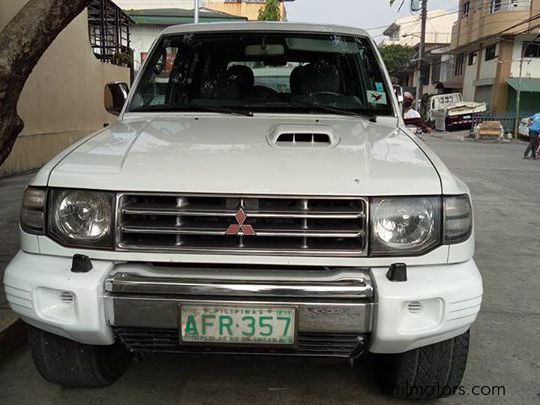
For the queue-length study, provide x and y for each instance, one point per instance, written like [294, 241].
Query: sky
[357, 13]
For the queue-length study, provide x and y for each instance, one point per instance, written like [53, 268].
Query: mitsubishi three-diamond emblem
[245, 229]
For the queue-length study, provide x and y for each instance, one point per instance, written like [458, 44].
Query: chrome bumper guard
[328, 301]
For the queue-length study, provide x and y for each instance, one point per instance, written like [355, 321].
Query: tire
[65, 362]
[429, 372]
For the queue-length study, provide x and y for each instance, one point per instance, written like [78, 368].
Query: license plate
[467, 117]
[260, 325]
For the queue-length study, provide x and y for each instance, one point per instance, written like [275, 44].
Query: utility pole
[518, 92]
[421, 51]
[195, 11]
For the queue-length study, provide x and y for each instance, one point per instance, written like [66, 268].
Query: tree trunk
[22, 42]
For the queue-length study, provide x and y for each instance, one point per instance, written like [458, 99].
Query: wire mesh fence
[507, 120]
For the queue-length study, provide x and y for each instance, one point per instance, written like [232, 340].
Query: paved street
[505, 339]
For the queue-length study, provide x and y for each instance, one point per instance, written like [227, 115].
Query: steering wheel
[264, 91]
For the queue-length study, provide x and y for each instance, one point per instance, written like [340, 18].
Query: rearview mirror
[265, 50]
[116, 94]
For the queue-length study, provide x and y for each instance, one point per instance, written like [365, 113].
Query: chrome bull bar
[339, 301]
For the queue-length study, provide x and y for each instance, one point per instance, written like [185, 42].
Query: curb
[13, 334]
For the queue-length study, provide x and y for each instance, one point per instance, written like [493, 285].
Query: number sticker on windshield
[376, 97]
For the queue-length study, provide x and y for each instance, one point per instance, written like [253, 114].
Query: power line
[450, 12]
[411, 22]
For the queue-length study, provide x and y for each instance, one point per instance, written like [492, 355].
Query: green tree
[270, 11]
[397, 59]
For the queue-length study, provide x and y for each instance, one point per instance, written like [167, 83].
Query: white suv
[258, 194]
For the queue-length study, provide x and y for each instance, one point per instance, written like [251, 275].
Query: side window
[157, 78]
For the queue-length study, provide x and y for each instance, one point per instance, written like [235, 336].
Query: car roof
[263, 26]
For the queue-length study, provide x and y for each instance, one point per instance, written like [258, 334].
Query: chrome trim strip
[316, 317]
[232, 213]
[129, 283]
[211, 232]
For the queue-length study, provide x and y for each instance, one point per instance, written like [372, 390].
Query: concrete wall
[62, 100]
[488, 69]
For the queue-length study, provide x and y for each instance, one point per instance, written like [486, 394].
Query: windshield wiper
[224, 110]
[334, 110]
[191, 108]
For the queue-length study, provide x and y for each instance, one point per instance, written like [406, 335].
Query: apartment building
[243, 8]
[496, 52]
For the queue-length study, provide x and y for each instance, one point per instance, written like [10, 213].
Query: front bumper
[435, 303]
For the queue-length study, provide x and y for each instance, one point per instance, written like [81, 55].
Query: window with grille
[108, 31]
[472, 58]
[531, 49]
[458, 67]
[491, 52]
[466, 8]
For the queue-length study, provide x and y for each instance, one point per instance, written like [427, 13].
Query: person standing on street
[534, 130]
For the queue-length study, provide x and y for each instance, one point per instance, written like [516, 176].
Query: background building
[490, 40]
[244, 8]
[62, 100]
[406, 32]
[150, 22]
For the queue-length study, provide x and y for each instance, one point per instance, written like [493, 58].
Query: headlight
[405, 225]
[81, 218]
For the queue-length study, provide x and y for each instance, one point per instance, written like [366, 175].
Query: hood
[212, 153]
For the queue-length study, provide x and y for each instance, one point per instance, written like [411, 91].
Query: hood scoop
[303, 136]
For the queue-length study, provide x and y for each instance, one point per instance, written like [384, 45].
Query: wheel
[71, 364]
[429, 372]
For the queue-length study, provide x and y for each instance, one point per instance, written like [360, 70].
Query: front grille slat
[242, 224]
[167, 341]
[263, 232]
[252, 214]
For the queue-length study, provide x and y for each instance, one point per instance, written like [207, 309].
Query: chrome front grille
[266, 225]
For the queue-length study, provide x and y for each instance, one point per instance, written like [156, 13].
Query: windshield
[263, 72]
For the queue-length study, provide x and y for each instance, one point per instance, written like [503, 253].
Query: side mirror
[116, 94]
[399, 93]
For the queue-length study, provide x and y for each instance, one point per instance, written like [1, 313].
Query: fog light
[421, 315]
